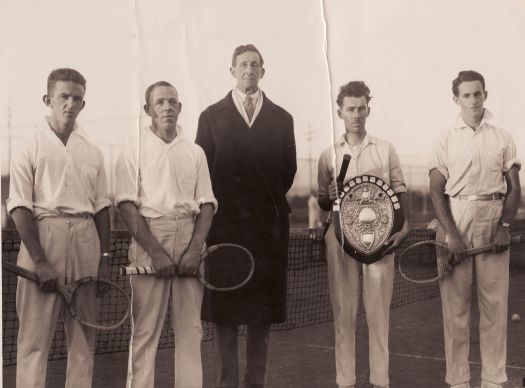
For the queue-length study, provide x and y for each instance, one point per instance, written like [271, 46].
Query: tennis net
[308, 301]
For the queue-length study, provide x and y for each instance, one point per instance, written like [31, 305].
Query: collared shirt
[473, 162]
[239, 98]
[164, 179]
[50, 178]
[373, 156]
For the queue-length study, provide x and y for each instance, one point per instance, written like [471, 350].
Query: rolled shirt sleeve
[437, 158]
[203, 189]
[397, 181]
[21, 179]
[324, 172]
[127, 177]
[509, 156]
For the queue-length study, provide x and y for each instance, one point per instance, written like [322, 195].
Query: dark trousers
[257, 339]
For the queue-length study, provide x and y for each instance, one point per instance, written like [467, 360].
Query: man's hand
[334, 189]
[501, 239]
[189, 263]
[456, 246]
[164, 267]
[47, 276]
[396, 239]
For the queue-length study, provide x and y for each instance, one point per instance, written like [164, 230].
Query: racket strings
[424, 262]
[227, 267]
[99, 303]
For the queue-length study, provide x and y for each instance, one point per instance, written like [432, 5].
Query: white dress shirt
[373, 156]
[50, 178]
[164, 179]
[239, 98]
[473, 162]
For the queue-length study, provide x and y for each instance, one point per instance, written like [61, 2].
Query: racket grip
[137, 270]
[344, 167]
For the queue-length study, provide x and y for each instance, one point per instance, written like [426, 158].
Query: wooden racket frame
[454, 260]
[150, 270]
[68, 290]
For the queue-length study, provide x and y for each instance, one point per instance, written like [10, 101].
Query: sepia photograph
[242, 194]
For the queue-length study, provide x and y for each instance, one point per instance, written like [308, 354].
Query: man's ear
[339, 113]
[180, 106]
[46, 99]
[486, 95]
[146, 109]
[455, 99]
[368, 114]
[232, 71]
[262, 72]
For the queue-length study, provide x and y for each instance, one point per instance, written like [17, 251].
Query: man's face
[354, 111]
[248, 71]
[471, 98]
[164, 107]
[65, 101]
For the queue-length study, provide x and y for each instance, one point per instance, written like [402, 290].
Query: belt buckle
[472, 197]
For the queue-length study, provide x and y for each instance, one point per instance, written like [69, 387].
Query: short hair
[245, 48]
[353, 89]
[466, 76]
[152, 87]
[65, 75]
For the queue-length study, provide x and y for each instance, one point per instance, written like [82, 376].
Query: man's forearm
[102, 224]
[138, 229]
[202, 227]
[28, 232]
[325, 203]
[441, 206]
[512, 200]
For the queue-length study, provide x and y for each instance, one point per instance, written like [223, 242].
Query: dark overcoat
[251, 170]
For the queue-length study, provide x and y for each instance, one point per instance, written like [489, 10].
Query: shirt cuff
[402, 188]
[127, 198]
[442, 169]
[213, 201]
[511, 163]
[12, 204]
[101, 204]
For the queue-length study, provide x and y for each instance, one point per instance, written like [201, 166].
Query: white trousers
[150, 298]
[378, 283]
[73, 250]
[476, 222]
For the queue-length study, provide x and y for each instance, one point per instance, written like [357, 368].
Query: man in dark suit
[250, 146]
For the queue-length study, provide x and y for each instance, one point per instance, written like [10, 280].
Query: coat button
[237, 179]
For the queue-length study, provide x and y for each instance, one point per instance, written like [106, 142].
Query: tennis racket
[429, 261]
[111, 308]
[224, 267]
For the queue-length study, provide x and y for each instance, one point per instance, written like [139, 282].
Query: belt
[481, 197]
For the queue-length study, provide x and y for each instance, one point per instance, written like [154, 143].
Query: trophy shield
[366, 213]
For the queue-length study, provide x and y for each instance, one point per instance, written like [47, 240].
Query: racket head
[226, 267]
[425, 262]
[97, 303]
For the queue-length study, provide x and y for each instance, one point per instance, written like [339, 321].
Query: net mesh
[308, 301]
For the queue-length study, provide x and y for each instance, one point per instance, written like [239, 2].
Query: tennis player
[250, 146]
[58, 200]
[475, 188]
[370, 155]
[166, 201]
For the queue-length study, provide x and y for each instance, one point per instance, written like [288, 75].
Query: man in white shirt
[475, 188]
[373, 156]
[165, 198]
[250, 146]
[58, 200]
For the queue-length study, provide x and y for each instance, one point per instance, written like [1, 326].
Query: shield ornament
[365, 215]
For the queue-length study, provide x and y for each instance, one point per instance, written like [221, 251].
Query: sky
[407, 52]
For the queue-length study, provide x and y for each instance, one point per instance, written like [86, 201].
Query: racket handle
[517, 239]
[137, 270]
[344, 167]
